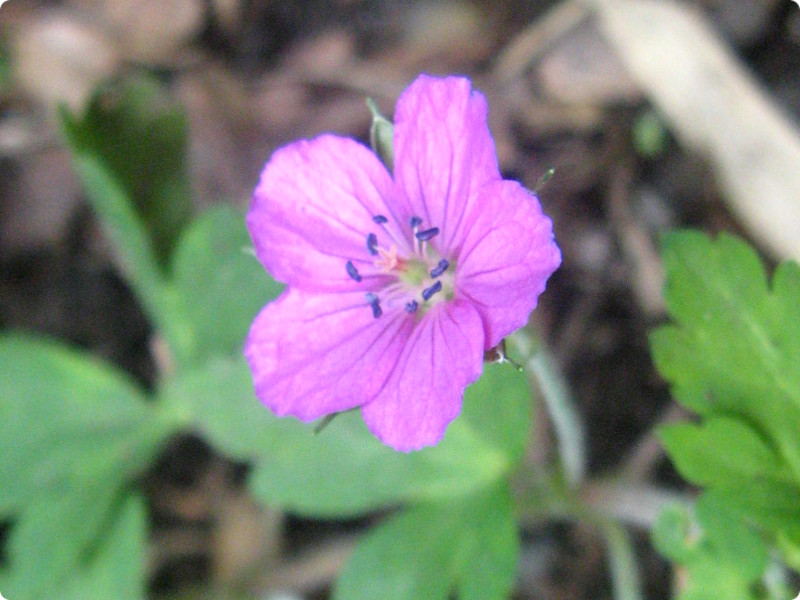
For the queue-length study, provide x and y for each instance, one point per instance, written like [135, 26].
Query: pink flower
[396, 284]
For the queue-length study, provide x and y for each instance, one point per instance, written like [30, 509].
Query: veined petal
[424, 392]
[506, 258]
[316, 354]
[313, 209]
[444, 153]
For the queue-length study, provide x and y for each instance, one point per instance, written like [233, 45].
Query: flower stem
[553, 389]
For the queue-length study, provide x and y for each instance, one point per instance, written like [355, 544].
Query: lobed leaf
[344, 470]
[468, 544]
[721, 451]
[733, 356]
[221, 286]
[734, 349]
[724, 557]
[140, 140]
[75, 433]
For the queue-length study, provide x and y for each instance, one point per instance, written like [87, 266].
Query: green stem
[560, 405]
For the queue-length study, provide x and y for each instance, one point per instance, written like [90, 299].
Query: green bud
[381, 135]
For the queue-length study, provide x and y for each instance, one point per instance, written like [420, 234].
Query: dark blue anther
[430, 291]
[352, 271]
[426, 234]
[411, 306]
[379, 219]
[372, 244]
[415, 222]
[440, 268]
[374, 303]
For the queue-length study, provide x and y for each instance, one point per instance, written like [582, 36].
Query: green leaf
[125, 228]
[344, 470]
[468, 544]
[129, 152]
[735, 347]
[722, 450]
[671, 534]
[67, 419]
[222, 287]
[771, 506]
[730, 539]
[733, 356]
[75, 433]
[61, 547]
[724, 558]
[115, 571]
[127, 233]
[5, 67]
[140, 139]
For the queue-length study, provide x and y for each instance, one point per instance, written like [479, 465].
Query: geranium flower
[396, 283]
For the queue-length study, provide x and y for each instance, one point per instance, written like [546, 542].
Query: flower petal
[313, 209]
[423, 394]
[443, 153]
[316, 354]
[506, 258]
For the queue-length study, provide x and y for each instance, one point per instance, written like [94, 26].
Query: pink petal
[444, 153]
[312, 211]
[423, 394]
[506, 258]
[315, 354]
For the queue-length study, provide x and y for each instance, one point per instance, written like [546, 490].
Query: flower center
[418, 281]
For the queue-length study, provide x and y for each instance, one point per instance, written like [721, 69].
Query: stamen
[372, 244]
[430, 291]
[375, 304]
[440, 268]
[352, 271]
[426, 234]
[411, 306]
[379, 219]
[415, 222]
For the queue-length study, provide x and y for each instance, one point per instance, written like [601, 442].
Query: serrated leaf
[731, 539]
[66, 418]
[769, 505]
[671, 534]
[75, 433]
[721, 451]
[723, 556]
[140, 139]
[222, 287]
[344, 470]
[733, 349]
[468, 544]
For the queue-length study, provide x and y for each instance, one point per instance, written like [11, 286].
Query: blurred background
[654, 116]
